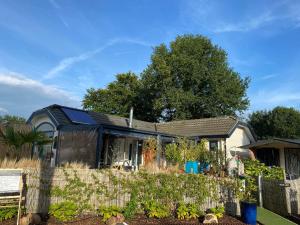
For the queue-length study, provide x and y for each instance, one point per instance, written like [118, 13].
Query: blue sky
[51, 51]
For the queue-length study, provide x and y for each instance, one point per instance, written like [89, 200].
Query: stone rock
[114, 220]
[31, 219]
[210, 218]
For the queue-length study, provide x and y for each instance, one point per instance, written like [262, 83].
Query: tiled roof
[271, 142]
[199, 127]
[106, 119]
[218, 126]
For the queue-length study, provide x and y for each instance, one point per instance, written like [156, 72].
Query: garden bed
[138, 220]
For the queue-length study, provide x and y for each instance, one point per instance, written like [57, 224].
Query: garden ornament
[210, 218]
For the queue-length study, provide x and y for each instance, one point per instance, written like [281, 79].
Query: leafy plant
[173, 154]
[17, 138]
[187, 211]
[132, 205]
[218, 211]
[107, 212]
[64, 211]
[8, 213]
[156, 209]
[254, 168]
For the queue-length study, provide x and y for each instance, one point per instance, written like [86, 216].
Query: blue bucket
[249, 212]
[191, 167]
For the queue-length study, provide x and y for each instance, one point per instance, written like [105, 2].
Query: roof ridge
[209, 118]
[121, 117]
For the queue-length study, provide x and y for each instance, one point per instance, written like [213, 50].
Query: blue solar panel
[77, 116]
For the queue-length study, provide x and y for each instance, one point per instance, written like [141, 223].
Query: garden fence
[282, 197]
[39, 182]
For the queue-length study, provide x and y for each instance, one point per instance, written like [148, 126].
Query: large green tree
[280, 122]
[189, 79]
[116, 98]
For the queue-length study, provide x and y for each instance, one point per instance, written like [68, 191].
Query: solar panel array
[77, 116]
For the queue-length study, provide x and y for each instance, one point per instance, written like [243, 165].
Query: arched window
[47, 129]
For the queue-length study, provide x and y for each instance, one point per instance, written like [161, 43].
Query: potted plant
[248, 202]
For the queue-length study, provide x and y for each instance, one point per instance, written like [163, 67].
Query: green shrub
[132, 205]
[173, 154]
[8, 213]
[156, 209]
[218, 211]
[254, 168]
[107, 212]
[187, 211]
[64, 211]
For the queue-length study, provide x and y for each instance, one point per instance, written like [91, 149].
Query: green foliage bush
[254, 168]
[187, 211]
[218, 211]
[64, 211]
[155, 209]
[173, 154]
[132, 206]
[187, 150]
[8, 213]
[108, 211]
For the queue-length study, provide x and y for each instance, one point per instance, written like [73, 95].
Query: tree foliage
[15, 139]
[117, 98]
[280, 122]
[189, 79]
[12, 119]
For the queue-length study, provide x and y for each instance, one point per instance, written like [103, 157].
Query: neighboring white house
[101, 140]
[279, 152]
[225, 133]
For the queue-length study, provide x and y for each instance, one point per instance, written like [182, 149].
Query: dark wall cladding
[78, 146]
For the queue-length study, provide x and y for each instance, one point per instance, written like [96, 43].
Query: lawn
[267, 217]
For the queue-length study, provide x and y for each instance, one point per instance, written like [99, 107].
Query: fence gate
[274, 196]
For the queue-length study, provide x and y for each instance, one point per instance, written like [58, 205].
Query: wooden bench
[11, 188]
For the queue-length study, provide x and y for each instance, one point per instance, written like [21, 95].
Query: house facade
[102, 140]
[281, 152]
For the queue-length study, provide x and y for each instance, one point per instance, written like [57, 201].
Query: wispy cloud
[251, 24]
[3, 110]
[269, 76]
[22, 95]
[70, 61]
[19, 80]
[214, 15]
[54, 4]
[267, 99]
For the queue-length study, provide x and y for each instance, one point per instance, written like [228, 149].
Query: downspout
[130, 117]
[225, 150]
[57, 147]
[99, 147]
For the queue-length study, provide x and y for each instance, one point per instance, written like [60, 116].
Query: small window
[213, 145]
[47, 129]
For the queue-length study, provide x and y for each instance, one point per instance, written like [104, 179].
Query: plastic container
[191, 167]
[249, 212]
[204, 166]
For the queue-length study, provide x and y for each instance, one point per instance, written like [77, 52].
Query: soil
[138, 220]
